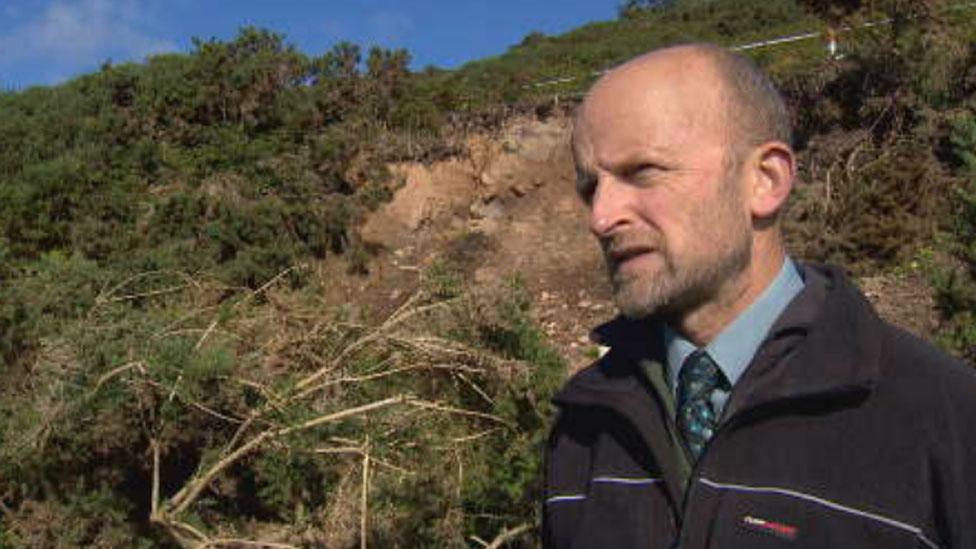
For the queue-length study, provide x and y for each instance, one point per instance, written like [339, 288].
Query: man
[746, 400]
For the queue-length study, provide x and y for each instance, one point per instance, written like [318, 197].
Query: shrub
[955, 284]
[448, 398]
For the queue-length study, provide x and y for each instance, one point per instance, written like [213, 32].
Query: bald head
[726, 86]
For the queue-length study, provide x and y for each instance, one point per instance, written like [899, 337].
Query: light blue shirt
[733, 348]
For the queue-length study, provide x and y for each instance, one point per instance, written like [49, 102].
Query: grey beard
[674, 291]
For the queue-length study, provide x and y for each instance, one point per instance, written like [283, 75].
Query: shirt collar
[735, 346]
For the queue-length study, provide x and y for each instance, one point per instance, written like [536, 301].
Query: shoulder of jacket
[908, 358]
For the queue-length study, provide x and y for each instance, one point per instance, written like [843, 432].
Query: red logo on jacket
[770, 527]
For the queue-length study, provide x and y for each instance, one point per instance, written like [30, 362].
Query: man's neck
[703, 323]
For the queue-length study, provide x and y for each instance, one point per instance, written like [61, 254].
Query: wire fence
[828, 35]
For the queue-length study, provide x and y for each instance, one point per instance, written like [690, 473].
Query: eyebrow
[636, 158]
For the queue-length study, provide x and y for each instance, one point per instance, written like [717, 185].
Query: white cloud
[71, 36]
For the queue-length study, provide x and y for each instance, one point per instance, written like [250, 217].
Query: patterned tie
[698, 379]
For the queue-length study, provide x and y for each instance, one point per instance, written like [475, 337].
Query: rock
[492, 209]
[518, 190]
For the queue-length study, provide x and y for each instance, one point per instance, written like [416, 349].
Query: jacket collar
[826, 342]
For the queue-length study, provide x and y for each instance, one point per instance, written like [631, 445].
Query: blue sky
[49, 41]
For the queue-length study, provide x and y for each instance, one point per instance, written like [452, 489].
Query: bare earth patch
[510, 208]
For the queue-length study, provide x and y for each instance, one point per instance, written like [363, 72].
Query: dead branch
[364, 501]
[356, 379]
[508, 535]
[405, 306]
[184, 534]
[206, 333]
[172, 325]
[150, 293]
[161, 334]
[474, 386]
[190, 402]
[116, 371]
[407, 416]
[440, 347]
[460, 480]
[154, 501]
[398, 317]
[271, 282]
[475, 436]
[191, 491]
[357, 450]
[349, 412]
[233, 542]
[102, 296]
[460, 411]
[251, 418]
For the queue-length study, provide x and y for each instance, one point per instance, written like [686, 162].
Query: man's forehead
[662, 92]
[618, 140]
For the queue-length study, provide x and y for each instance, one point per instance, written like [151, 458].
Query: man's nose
[608, 208]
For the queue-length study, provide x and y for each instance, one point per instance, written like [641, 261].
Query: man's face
[665, 201]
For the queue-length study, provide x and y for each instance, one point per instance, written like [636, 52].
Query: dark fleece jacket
[843, 432]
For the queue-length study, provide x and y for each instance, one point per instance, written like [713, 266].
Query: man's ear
[773, 167]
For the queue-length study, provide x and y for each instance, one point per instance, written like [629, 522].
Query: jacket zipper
[692, 486]
[724, 425]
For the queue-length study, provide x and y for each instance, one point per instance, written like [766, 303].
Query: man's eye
[643, 171]
[585, 187]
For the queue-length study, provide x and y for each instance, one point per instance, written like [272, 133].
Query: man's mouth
[622, 254]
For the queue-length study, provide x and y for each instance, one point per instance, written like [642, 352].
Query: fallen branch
[232, 542]
[397, 318]
[460, 411]
[508, 535]
[189, 401]
[184, 534]
[349, 412]
[355, 379]
[191, 491]
[357, 450]
[116, 371]
[154, 501]
[150, 293]
[364, 501]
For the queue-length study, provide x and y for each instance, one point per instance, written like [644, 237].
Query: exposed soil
[509, 207]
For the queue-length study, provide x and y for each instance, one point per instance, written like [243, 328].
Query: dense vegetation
[167, 372]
